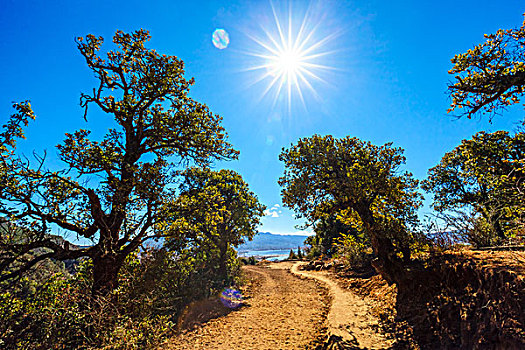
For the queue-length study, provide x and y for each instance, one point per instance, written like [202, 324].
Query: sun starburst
[290, 57]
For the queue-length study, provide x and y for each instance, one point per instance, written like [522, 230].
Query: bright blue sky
[390, 61]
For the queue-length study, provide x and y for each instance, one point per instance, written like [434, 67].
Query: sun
[288, 62]
[290, 56]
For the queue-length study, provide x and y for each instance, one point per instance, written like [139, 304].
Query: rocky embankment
[467, 300]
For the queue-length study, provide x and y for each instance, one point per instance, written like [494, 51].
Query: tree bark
[497, 228]
[105, 273]
[387, 263]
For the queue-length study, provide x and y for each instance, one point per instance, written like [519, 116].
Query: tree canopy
[108, 191]
[359, 182]
[486, 174]
[212, 209]
[491, 76]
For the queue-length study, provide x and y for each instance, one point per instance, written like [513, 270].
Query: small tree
[359, 182]
[215, 210]
[299, 253]
[109, 191]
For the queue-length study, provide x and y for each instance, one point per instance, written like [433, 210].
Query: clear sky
[376, 70]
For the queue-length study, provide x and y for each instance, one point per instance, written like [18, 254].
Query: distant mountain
[268, 241]
[261, 241]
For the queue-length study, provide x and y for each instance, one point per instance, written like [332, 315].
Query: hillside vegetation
[150, 177]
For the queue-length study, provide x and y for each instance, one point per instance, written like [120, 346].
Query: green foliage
[163, 282]
[357, 182]
[156, 127]
[354, 252]
[38, 320]
[328, 230]
[483, 175]
[248, 261]
[299, 253]
[315, 250]
[154, 288]
[491, 76]
[292, 255]
[213, 212]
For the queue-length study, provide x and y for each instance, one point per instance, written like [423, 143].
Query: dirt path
[349, 317]
[285, 312]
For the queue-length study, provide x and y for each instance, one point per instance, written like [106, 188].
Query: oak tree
[490, 76]
[109, 190]
[361, 183]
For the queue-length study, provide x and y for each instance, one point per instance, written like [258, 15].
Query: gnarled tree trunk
[387, 263]
[105, 273]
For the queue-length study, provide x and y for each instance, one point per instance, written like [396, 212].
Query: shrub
[154, 287]
[354, 253]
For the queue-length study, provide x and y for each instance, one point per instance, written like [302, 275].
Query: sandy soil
[350, 317]
[284, 312]
[286, 309]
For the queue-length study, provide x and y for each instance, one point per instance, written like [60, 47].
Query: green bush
[53, 317]
[354, 253]
[154, 287]
[248, 261]
[316, 247]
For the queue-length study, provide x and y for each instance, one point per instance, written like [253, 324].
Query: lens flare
[231, 298]
[220, 39]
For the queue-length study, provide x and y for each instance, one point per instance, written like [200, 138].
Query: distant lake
[267, 254]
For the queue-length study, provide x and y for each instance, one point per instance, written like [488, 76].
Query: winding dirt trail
[349, 319]
[289, 311]
[284, 312]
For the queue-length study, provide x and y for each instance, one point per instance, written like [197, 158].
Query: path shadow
[199, 312]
